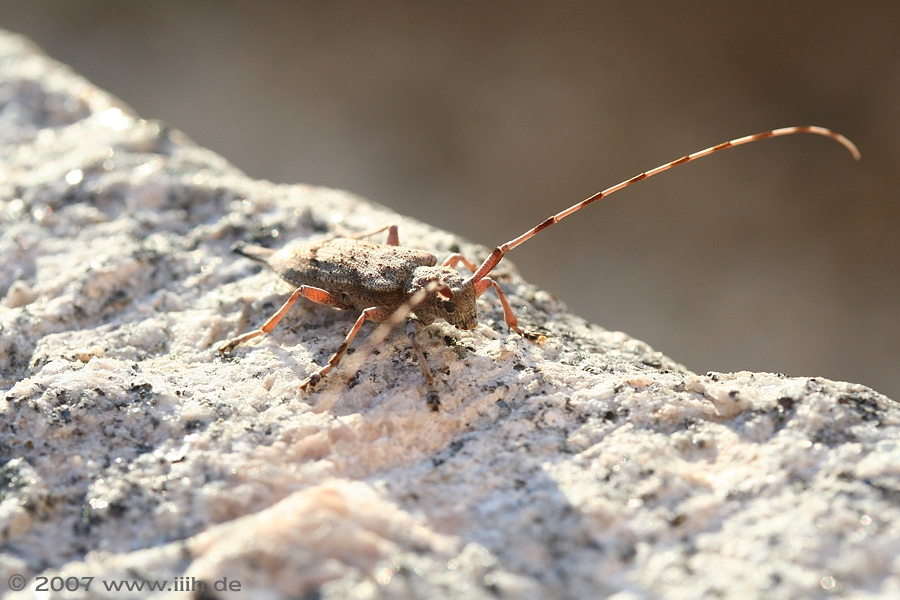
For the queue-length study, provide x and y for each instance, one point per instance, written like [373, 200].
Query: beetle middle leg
[376, 313]
[315, 294]
[389, 319]
[413, 327]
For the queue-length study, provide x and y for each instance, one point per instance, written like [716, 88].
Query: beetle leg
[508, 315]
[413, 327]
[317, 295]
[393, 238]
[376, 313]
[390, 319]
[456, 258]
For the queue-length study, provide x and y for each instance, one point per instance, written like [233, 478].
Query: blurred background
[485, 117]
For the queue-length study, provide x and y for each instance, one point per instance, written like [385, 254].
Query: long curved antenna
[491, 261]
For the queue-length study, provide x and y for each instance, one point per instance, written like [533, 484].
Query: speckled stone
[587, 466]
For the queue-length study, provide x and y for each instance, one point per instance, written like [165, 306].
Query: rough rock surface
[583, 467]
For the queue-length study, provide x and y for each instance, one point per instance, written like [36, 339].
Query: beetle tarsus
[434, 402]
[531, 336]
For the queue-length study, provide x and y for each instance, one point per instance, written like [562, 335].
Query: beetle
[388, 283]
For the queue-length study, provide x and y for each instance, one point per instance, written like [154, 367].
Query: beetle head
[453, 299]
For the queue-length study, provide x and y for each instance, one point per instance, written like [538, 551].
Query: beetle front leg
[508, 315]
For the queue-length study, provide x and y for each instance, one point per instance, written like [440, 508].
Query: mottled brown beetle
[389, 283]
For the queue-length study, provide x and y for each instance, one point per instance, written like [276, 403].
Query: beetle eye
[448, 306]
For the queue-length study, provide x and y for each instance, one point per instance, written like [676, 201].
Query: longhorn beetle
[389, 283]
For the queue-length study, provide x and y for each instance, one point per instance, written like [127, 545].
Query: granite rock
[585, 466]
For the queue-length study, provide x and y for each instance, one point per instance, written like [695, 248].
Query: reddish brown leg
[315, 294]
[376, 313]
[413, 327]
[456, 258]
[393, 238]
[508, 315]
[390, 320]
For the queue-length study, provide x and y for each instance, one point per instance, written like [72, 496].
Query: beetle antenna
[497, 255]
